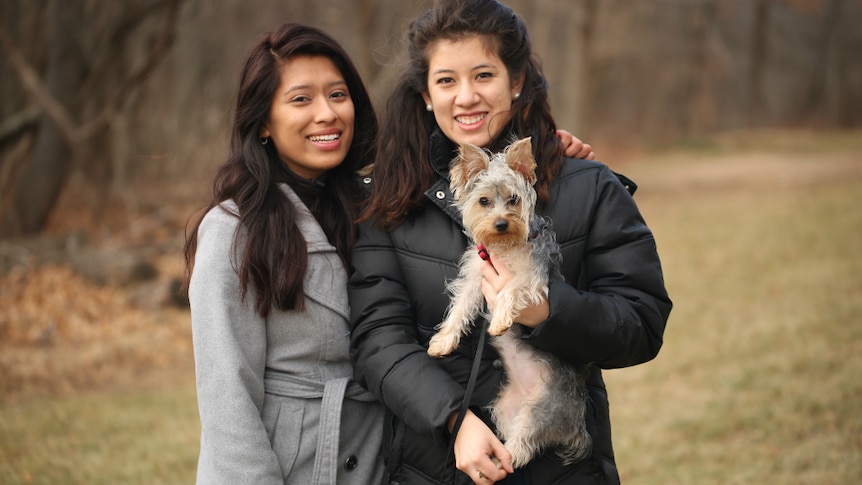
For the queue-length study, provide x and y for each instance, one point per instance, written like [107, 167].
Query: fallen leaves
[60, 333]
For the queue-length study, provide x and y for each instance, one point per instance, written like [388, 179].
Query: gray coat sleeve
[230, 354]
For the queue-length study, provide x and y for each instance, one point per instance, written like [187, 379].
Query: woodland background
[739, 119]
[113, 94]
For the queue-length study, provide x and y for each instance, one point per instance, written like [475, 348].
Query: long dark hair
[402, 171]
[275, 258]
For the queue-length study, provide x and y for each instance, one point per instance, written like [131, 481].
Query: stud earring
[517, 95]
[428, 107]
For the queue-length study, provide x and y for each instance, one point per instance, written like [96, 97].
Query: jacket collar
[441, 151]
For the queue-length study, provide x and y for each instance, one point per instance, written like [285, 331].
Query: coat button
[498, 364]
[440, 194]
[350, 463]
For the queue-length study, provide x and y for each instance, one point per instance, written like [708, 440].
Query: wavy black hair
[402, 171]
[275, 259]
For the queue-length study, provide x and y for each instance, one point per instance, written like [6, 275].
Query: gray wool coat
[276, 399]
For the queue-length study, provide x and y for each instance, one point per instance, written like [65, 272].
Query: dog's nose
[501, 225]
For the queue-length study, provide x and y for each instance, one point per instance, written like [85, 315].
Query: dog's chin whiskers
[504, 242]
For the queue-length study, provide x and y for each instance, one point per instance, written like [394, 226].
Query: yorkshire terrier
[543, 401]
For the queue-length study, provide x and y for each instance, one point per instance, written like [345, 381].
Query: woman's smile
[469, 90]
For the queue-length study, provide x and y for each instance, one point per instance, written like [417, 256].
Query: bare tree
[48, 167]
[81, 93]
[758, 59]
[826, 37]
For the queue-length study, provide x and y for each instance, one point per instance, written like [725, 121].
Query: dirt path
[693, 172]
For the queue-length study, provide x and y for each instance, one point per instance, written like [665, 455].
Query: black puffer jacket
[611, 312]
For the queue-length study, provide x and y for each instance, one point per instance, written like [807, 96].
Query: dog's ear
[519, 156]
[470, 161]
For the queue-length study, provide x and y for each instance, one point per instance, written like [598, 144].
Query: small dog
[543, 401]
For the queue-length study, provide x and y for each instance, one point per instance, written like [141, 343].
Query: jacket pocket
[283, 423]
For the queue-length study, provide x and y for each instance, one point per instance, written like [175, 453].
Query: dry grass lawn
[759, 377]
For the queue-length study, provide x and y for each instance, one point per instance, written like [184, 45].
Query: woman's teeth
[469, 120]
[331, 137]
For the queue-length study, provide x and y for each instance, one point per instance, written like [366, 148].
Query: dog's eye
[514, 200]
[484, 202]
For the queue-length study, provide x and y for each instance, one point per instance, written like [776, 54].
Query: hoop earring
[428, 107]
[264, 140]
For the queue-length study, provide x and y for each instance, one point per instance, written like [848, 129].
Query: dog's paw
[441, 346]
[500, 323]
[521, 452]
[496, 328]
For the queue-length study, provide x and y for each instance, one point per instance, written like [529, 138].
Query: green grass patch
[142, 437]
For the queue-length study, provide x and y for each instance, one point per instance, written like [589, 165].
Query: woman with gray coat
[267, 271]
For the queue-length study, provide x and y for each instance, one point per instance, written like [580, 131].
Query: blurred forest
[104, 102]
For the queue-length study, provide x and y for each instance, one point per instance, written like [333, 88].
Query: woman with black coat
[472, 78]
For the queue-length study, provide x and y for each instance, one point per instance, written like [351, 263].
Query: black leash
[465, 404]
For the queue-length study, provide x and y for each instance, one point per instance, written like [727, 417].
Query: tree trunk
[44, 177]
[759, 51]
[817, 86]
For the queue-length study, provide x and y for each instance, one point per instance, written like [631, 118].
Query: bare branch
[46, 103]
[158, 49]
[19, 122]
[156, 53]
[34, 85]
[132, 18]
[106, 60]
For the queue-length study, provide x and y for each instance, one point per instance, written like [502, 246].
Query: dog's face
[495, 193]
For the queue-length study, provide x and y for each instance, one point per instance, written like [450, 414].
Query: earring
[264, 140]
[517, 95]
[428, 107]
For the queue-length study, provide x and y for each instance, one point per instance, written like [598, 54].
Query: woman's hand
[479, 453]
[495, 276]
[573, 147]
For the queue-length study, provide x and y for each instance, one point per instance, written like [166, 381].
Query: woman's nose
[466, 95]
[324, 112]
